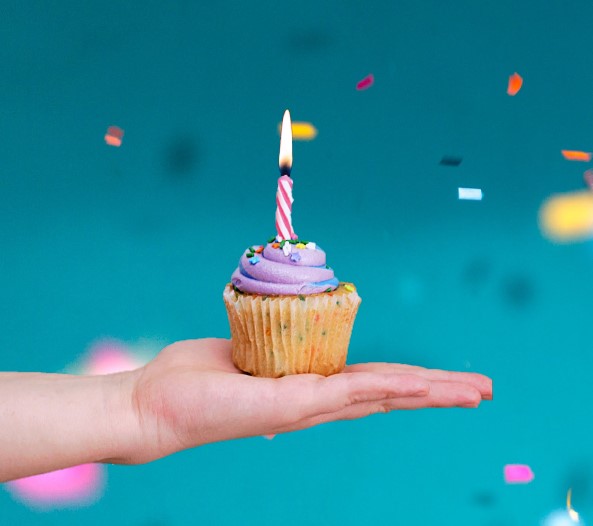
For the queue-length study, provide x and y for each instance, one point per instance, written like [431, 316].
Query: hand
[192, 394]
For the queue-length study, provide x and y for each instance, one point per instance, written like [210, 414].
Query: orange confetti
[114, 136]
[515, 83]
[573, 155]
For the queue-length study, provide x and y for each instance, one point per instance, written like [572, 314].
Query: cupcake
[288, 312]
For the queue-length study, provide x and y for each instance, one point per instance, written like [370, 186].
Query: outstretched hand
[192, 394]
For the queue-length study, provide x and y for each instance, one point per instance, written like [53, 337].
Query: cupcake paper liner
[274, 336]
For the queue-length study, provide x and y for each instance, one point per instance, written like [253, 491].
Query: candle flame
[285, 159]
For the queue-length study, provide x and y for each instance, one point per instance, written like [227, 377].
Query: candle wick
[285, 169]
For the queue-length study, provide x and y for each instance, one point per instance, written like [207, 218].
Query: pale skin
[191, 394]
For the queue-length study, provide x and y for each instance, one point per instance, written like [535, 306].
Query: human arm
[192, 394]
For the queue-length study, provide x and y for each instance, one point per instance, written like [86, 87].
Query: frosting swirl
[277, 270]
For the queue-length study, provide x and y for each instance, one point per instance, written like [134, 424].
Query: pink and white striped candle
[284, 202]
[284, 194]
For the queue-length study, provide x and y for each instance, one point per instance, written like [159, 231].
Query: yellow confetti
[571, 512]
[301, 131]
[300, 245]
[349, 288]
[567, 217]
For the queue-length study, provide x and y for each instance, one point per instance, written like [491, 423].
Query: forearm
[53, 421]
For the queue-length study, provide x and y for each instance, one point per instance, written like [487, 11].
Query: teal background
[138, 241]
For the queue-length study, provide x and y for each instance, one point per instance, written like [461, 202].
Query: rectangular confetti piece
[518, 474]
[470, 194]
[573, 155]
[515, 83]
[449, 160]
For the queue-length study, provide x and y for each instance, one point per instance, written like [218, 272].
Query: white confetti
[287, 248]
[311, 245]
[473, 194]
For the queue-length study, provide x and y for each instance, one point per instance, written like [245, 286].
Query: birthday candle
[284, 194]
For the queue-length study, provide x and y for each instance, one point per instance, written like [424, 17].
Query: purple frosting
[275, 273]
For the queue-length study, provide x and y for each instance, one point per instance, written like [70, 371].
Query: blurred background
[118, 250]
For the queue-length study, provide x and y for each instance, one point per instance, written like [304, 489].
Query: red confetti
[366, 82]
[114, 136]
[515, 83]
[588, 177]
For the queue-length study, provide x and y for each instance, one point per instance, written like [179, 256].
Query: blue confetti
[254, 260]
[295, 256]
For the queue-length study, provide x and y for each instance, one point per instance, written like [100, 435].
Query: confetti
[472, 194]
[588, 178]
[70, 487]
[301, 131]
[300, 245]
[349, 288]
[114, 136]
[286, 248]
[295, 256]
[254, 260]
[559, 518]
[567, 217]
[259, 249]
[366, 82]
[450, 161]
[515, 83]
[574, 155]
[310, 246]
[518, 474]
[571, 512]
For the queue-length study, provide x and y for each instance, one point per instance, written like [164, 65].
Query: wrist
[123, 442]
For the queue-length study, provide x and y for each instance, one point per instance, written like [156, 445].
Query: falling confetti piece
[366, 82]
[301, 131]
[515, 83]
[567, 217]
[108, 356]
[559, 518]
[571, 512]
[450, 161]
[588, 178]
[573, 155]
[114, 136]
[518, 474]
[471, 194]
[75, 486]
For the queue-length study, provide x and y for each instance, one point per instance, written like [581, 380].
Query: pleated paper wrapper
[274, 336]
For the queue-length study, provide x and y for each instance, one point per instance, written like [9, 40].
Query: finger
[442, 394]
[311, 395]
[479, 381]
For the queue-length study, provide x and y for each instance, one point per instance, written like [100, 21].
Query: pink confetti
[366, 82]
[114, 136]
[110, 356]
[78, 485]
[518, 474]
[588, 178]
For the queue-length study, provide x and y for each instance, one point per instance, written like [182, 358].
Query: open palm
[192, 394]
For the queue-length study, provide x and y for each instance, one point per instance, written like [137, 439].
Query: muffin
[288, 313]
